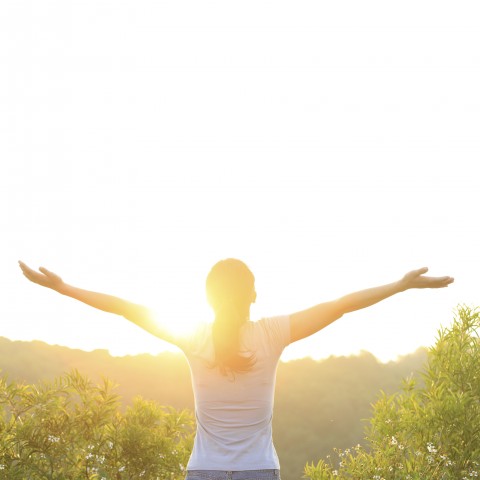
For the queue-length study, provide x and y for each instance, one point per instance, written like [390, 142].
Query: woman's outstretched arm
[138, 314]
[308, 322]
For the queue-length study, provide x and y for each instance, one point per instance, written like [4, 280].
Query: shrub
[72, 429]
[432, 432]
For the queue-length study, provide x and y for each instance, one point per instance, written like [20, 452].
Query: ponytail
[226, 339]
[230, 289]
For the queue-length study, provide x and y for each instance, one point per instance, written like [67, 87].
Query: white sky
[330, 145]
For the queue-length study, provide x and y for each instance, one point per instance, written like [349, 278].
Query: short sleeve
[195, 340]
[277, 332]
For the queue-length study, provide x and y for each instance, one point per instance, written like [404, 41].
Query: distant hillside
[318, 404]
[164, 378]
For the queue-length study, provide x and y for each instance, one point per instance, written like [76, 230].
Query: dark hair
[230, 289]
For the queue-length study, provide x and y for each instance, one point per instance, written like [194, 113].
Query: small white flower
[431, 448]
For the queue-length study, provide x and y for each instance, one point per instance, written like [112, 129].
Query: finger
[22, 265]
[422, 270]
[25, 268]
[444, 281]
[47, 272]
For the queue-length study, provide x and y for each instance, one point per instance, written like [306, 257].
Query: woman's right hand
[43, 277]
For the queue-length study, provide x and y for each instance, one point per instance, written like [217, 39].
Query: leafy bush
[432, 432]
[72, 429]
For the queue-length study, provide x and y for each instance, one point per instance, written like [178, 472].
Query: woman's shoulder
[271, 322]
[196, 335]
[273, 330]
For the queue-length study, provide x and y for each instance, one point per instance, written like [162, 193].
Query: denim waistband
[233, 475]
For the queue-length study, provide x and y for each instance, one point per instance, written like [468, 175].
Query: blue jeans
[238, 475]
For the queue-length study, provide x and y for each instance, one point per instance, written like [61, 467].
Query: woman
[233, 361]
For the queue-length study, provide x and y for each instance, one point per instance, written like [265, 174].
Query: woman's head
[230, 280]
[230, 289]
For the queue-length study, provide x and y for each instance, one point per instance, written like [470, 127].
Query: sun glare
[179, 316]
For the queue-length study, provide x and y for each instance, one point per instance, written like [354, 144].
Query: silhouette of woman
[233, 361]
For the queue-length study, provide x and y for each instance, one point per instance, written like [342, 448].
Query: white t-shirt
[234, 412]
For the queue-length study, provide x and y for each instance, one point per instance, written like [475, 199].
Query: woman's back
[234, 411]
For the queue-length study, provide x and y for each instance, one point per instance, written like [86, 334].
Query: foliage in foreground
[71, 429]
[432, 432]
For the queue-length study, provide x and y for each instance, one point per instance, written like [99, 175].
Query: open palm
[43, 277]
[418, 279]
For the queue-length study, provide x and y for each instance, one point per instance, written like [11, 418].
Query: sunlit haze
[330, 146]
